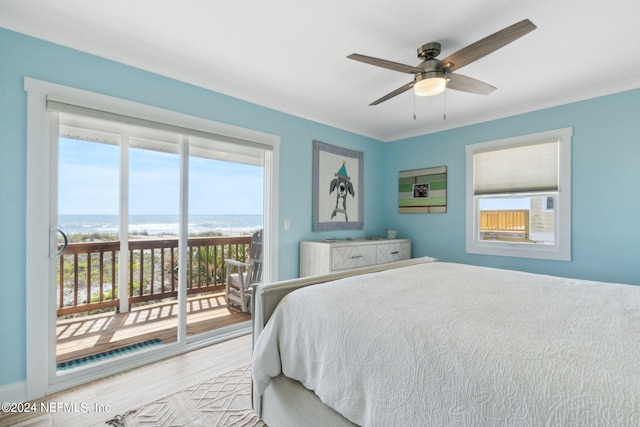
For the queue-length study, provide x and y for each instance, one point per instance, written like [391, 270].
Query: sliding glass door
[149, 216]
[96, 167]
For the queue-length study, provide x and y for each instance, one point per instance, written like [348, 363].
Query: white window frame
[561, 249]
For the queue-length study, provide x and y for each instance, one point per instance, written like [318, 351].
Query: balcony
[91, 318]
[505, 225]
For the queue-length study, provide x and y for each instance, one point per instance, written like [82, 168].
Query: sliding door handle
[64, 244]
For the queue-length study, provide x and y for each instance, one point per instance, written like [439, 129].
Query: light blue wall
[22, 56]
[605, 180]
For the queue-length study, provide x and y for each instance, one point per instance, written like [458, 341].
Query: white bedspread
[442, 344]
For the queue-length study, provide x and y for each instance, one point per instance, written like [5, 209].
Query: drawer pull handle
[395, 252]
[356, 256]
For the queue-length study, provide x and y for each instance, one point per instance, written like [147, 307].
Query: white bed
[441, 344]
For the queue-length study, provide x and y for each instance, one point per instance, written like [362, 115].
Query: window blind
[142, 122]
[527, 168]
[78, 122]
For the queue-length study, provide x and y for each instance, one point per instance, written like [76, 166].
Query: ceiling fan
[433, 75]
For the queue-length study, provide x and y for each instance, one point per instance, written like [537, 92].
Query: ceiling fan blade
[489, 44]
[467, 84]
[395, 66]
[392, 94]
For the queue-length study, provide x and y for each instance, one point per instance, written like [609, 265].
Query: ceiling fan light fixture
[430, 83]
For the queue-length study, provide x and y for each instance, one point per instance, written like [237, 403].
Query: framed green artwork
[423, 190]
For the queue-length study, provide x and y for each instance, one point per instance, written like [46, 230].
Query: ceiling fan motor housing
[431, 65]
[430, 75]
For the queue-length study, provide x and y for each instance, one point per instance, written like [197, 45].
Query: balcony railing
[504, 224]
[88, 272]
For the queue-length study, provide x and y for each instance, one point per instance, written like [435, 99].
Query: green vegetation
[110, 237]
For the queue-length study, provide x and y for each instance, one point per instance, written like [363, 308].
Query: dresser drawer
[345, 257]
[391, 252]
[325, 256]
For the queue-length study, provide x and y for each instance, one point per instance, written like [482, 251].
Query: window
[519, 196]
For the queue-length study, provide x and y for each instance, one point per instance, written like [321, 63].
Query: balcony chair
[241, 275]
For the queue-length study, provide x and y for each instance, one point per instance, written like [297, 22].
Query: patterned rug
[221, 401]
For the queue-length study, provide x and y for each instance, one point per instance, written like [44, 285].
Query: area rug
[108, 354]
[221, 401]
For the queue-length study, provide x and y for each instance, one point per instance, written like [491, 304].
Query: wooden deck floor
[93, 334]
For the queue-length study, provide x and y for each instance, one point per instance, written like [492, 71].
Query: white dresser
[326, 256]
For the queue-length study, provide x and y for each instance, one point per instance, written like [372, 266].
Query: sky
[88, 182]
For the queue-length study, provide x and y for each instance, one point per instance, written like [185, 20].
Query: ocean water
[161, 225]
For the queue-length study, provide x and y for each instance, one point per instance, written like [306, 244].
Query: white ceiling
[290, 55]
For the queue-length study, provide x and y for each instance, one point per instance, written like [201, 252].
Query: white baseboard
[14, 393]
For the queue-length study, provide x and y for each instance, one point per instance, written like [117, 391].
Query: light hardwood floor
[132, 389]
